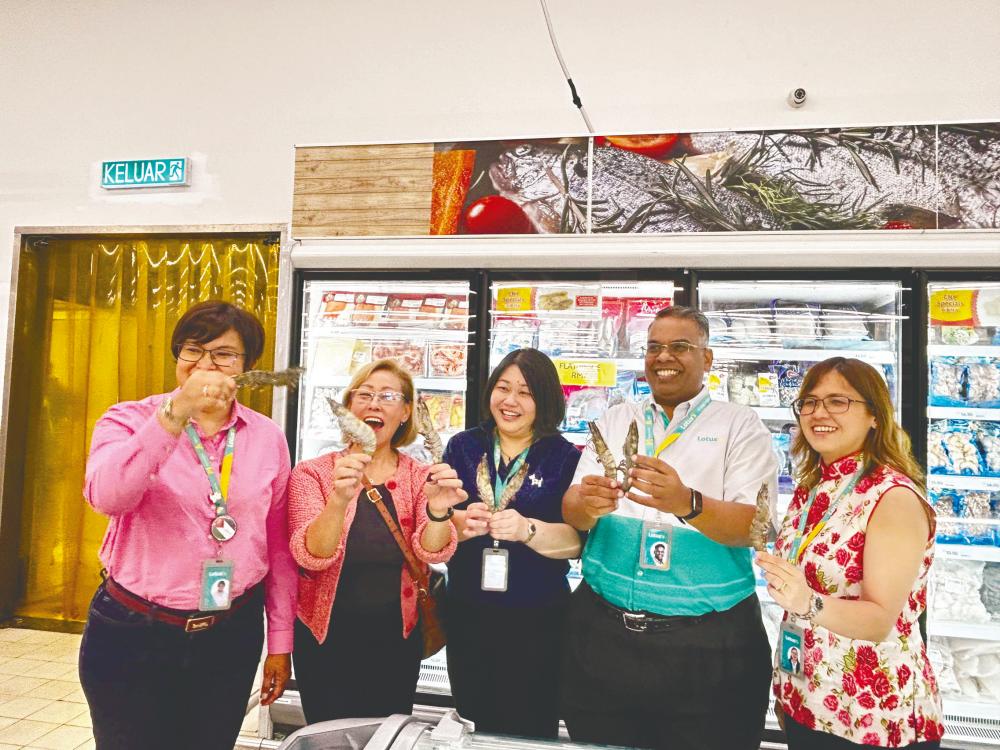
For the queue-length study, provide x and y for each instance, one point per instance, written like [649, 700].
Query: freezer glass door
[963, 481]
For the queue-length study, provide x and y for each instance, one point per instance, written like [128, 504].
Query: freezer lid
[348, 734]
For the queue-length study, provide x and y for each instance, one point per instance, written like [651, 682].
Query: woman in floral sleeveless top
[864, 677]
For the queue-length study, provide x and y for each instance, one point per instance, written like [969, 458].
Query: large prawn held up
[353, 429]
[618, 471]
[425, 426]
[760, 526]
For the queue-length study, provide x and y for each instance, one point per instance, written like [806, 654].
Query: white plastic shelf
[879, 356]
[779, 413]
[956, 482]
[987, 631]
[967, 552]
[947, 350]
[963, 412]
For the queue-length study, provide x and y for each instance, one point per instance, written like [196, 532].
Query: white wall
[235, 83]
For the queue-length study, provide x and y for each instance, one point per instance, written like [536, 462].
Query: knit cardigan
[311, 483]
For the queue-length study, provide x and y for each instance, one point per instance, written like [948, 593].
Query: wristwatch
[532, 530]
[815, 607]
[697, 501]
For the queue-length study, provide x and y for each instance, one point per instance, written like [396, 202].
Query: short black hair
[543, 382]
[208, 320]
[686, 313]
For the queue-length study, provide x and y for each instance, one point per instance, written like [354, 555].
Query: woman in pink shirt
[357, 640]
[196, 550]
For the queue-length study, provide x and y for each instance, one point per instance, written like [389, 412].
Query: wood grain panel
[362, 190]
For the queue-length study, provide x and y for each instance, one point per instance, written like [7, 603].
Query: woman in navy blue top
[507, 588]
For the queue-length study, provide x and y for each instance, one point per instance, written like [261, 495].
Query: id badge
[657, 544]
[792, 653]
[216, 585]
[494, 569]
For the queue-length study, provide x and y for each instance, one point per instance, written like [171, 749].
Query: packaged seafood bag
[963, 453]
[843, 326]
[948, 379]
[796, 324]
[989, 443]
[937, 451]
[982, 376]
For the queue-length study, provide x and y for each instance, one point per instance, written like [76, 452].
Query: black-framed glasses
[676, 348]
[832, 404]
[220, 357]
[364, 396]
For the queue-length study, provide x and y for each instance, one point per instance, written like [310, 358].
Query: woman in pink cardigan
[357, 640]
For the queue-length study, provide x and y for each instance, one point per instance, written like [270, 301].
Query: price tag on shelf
[514, 298]
[586, 372]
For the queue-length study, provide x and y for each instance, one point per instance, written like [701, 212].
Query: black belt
[191, 622]
[645, 622]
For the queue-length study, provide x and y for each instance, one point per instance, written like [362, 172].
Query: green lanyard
[499, 485]
[798, 546]
[220, 491]
[674, 436]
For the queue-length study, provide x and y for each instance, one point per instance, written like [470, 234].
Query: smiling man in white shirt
[670, 655]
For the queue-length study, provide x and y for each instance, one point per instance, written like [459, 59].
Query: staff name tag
[216, 585]
[657, 544]
[494, 569]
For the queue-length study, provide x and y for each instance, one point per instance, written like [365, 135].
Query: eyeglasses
[360, 396]
[676, 348]
[219, 357]
[832, 404]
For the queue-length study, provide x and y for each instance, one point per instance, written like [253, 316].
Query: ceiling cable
[562, 64]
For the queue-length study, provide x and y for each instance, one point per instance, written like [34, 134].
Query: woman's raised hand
[477, 520]
[347, 472]
[205, 391]
[443, 489]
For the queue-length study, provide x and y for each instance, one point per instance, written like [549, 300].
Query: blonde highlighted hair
[406, 433]
[886, 444]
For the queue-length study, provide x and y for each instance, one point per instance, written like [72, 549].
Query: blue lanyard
[674, 436]
[499, 485]
[219, 491]
[797, 549]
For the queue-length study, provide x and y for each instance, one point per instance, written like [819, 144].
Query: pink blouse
[150, 484]
[310, 484]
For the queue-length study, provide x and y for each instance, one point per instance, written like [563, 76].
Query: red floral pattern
[881, 694]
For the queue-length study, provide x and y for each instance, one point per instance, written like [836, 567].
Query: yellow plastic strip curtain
[94, 323]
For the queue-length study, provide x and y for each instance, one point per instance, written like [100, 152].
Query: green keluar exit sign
[144, 173]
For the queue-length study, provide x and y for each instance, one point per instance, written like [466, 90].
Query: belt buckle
[194, 624]
[636, 622]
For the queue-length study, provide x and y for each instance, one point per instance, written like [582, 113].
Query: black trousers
[152, 686]
[364, 668]
[503, 664]
[803, 738]
[700, 686]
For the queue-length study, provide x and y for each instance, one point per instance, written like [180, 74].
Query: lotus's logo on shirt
[707, 439]
[536, 481]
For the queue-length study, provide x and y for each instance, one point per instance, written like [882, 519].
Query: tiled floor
[41, 702]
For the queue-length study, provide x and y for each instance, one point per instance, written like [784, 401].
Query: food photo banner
[916, 177]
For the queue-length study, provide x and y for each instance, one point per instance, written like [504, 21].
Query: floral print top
[882, 694]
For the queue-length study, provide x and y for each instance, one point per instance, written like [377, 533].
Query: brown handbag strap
[411, 561]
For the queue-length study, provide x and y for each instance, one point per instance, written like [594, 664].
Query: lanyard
[674, 436]
[219, 485]
[798, 546]
[499, 485]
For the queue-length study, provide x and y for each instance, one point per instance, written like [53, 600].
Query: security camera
[797, 98]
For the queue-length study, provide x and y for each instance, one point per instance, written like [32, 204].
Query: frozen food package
[337, 308]
[369, 309]
[563, 337]
[439, 407]
[321, 419]
[963, 454]
[990, 592]
[843, 326]
[982, 376]
[511, 334]
[432, 311]
[959, 335]
[718, 328]
[642, 389]
[583, 405]
[767, 389]
[456, 419]
[553, 299]
[612, 322]
[456, 313]
[623, 389]
[989, 444]
[717, 382]
[750, 326]
[948, 382]
[331, 355]
[743, 389]
[937, 452]
[361, 355]
[795, 323]
[639, 313]
[789, 384]
[403, 310]
[956, 591]
[409, 354]
[781, 442]
[447, 360]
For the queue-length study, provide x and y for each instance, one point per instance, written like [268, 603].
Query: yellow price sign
[586, 372]
[514, 298]
[953, 307]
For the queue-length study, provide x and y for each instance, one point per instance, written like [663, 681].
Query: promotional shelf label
[514, 298]
[586, 372]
